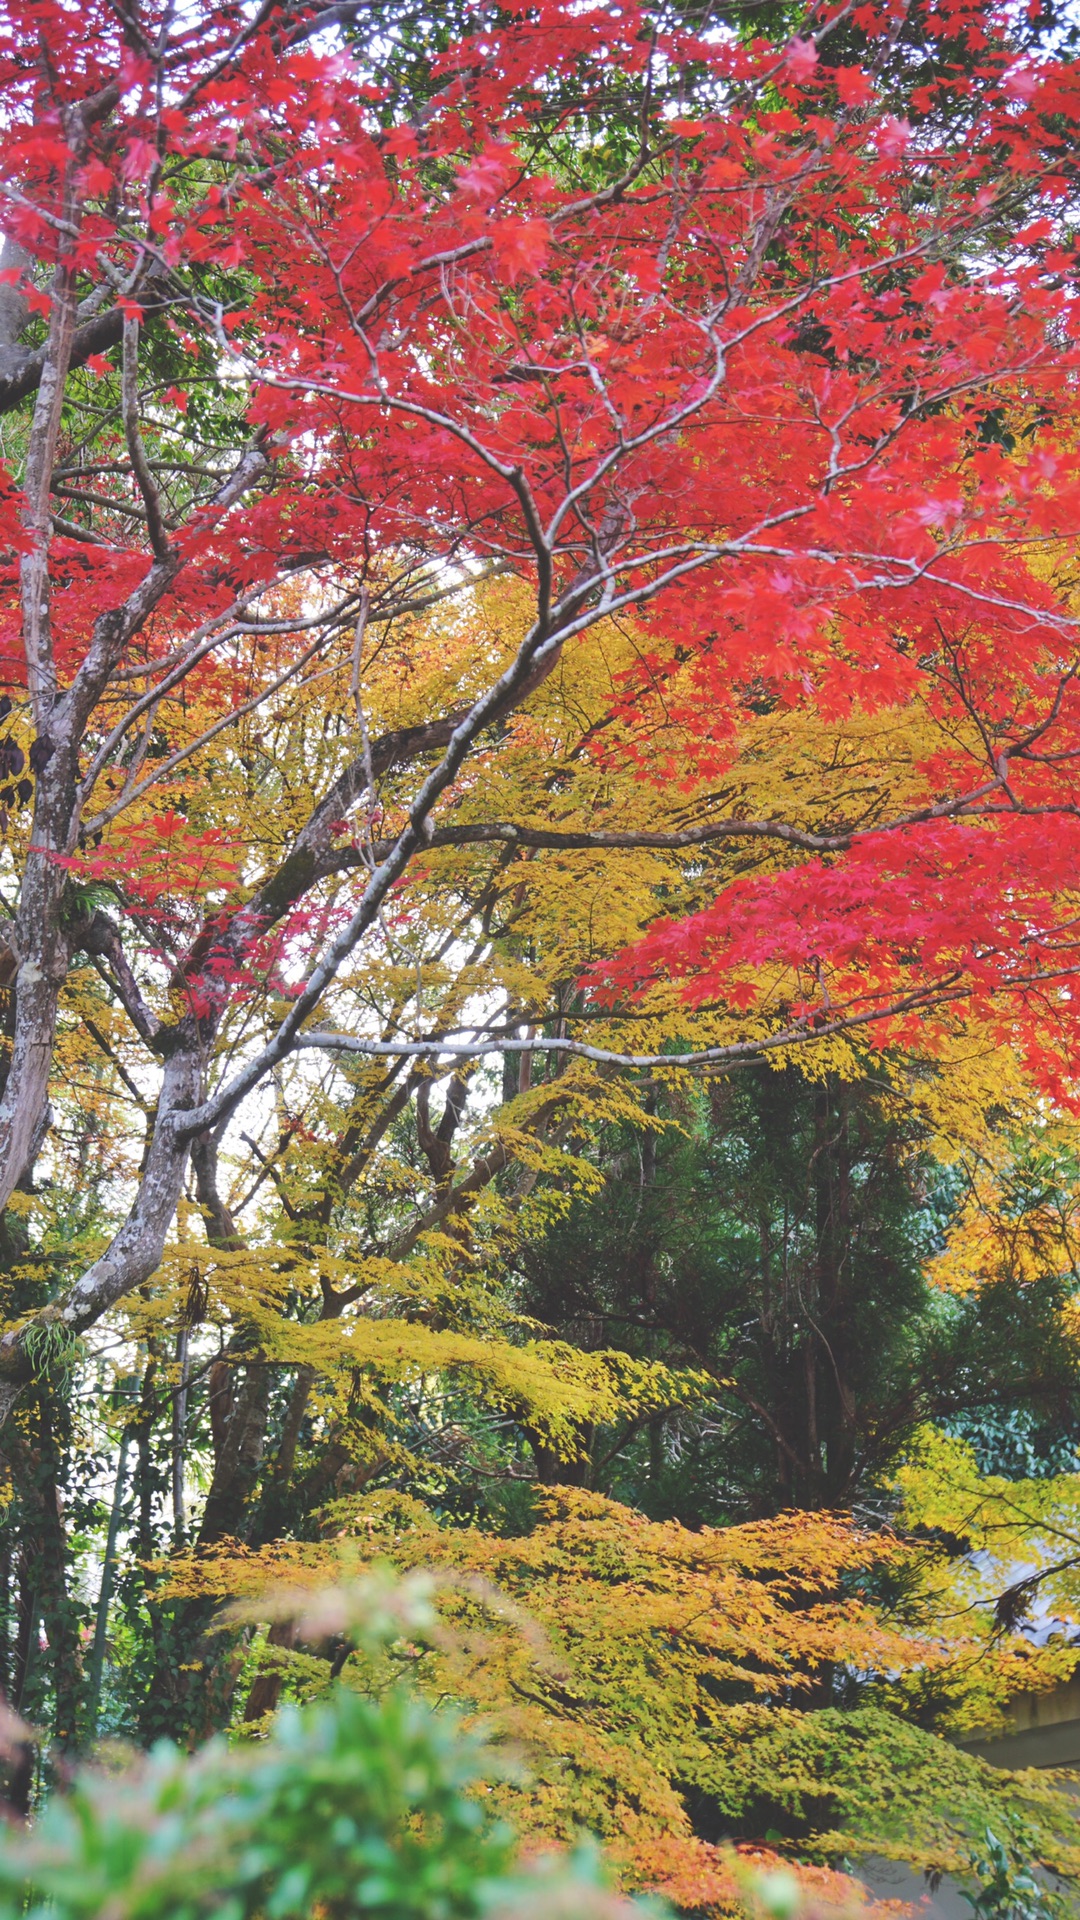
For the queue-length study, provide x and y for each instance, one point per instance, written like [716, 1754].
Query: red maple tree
[677, 325]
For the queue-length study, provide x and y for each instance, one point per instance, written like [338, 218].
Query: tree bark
[136, 1251]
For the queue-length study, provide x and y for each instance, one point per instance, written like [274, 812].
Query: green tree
[777, 1235]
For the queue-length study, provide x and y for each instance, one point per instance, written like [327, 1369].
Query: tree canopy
[539, 815]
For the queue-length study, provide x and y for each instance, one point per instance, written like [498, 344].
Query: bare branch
[144, 479]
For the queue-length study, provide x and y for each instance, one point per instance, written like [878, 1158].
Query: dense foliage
[674, 1688]
[538, 833]
[780, 1237]
[358, 1806]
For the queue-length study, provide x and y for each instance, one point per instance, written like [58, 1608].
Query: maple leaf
[521, 246]
[487, 173]
[140, 159]
[801, 59]
[854, 87]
